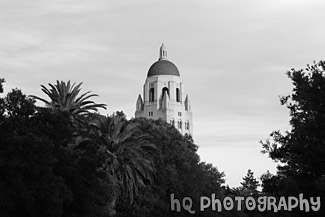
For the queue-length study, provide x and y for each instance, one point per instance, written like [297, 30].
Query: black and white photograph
[162, 108]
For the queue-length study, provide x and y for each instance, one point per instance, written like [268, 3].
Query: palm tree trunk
[112, 203]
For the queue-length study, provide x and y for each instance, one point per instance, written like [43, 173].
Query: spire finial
[163, 52]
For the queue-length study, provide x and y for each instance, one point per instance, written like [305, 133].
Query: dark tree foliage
[250, 183]
[268, 182]
[28, 184]
[40, 174]
[127, 151]
[301, 151]
[248, 188]
[178, 171]
[2, 80]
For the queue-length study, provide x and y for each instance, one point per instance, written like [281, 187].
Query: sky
[232, 55]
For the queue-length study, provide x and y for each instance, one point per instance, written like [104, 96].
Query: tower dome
[163, 66]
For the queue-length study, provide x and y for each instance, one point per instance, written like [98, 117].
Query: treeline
[63, 160]
[66, 159]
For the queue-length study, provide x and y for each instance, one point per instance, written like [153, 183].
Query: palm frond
[129, 151]
[41, 99]
[64, 96]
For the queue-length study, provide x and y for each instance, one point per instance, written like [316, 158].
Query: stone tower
[164, 97]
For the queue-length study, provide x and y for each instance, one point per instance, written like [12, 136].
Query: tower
[164, 97]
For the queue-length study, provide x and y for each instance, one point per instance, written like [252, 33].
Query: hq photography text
[239, 203]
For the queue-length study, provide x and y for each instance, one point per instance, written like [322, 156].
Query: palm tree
[128, 151]
[64, 97]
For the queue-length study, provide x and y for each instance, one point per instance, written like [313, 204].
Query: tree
[268, 182]
[2, 80]
[178, 171]
[29, 185]
[301, 151]
[40, 174]
[65, 97]
[250, 183]
[211, 178]
[127, 152]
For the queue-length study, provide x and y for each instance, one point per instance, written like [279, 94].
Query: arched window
[172, 122]
[187, 125]
[178, 97]
[164, 91]
[180, 124]
[151, 94]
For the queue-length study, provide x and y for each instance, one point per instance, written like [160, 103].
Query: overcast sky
[232, 57]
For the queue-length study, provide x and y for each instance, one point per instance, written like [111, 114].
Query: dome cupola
[163, 66]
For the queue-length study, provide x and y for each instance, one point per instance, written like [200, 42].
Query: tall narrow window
[180, 124]
[178, 97]
[187, 125]
[164, 91]
[151, 94]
